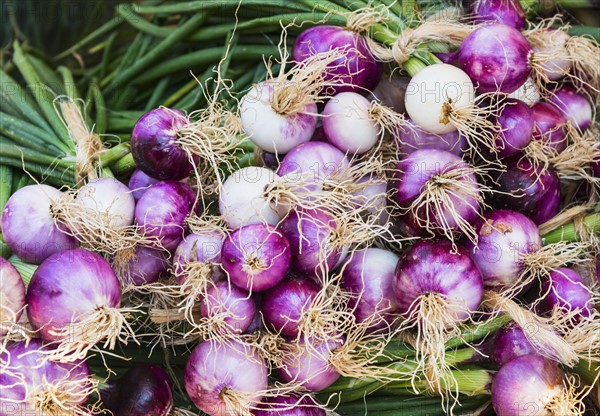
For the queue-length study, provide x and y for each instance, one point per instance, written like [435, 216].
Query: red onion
[162, 210]
[357, 71]
[310, 234]
[369, 276]
[509, 343]
[517, 122]
[12, 296]
[496, 58]
[508, 12]
[235, 306]
[31, 384]
[503, 238]
[391, 92]
[154, 148]
[527, 188]
[28, 225]
[288, 405]
[550, 126]
[223, 377]
[256, 257]
[108, 198]
[283, 306]
[564, 288]
[139, 182]
[144, 390]
[574, 106]
[146, 265]
[198, 248]
[411, 137]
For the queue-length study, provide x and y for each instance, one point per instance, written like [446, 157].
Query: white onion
[110, 198]
[529, 93]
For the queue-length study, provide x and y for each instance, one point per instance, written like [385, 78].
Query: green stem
[26, 270]
[114, 154]
[568, 232]
[6, 178]
[123, 166]
[107, 27]
[17, 98]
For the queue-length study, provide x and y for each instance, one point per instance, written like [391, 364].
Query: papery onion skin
[67, 287]
[144, 390]
[566, 289]
[28, 225]
[12, 296]
[202, 248]
[227, 298]
[496, 58]
[26, 369]
[282, 306]
[153, 145]
[503, 238]
[368, 275]
[550, 126]
[214, 366]
[528, 189]
[509, 343]
[256, 257]
[574, 106]
[162, 210]
[139, 183]
[358, 71]
[434, 267]
[288, 405]
[411, 138]
[508, 12]
[524, 384]
[517, 123]
[147, 265]
[110, 199]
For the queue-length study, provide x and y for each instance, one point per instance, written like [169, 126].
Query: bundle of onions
[12, 296]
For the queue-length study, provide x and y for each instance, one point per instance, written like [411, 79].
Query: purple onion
[412, 175]
[256, 257]
[527, 385]
[564, 288]
[154, 147]
[516, 120]
[550, 126]
[391, 92]
[369, 276]
[574, 106]
[598, 268]
[257, 320]
[411, 138]
[288, 405]
[551, 44]
[310, 234]
[139, 182]
[224, 298]
[29, 378]
[509, 343]
[28, 225]
[373, 199]
[358, 71]
[503, 238]
[528, 189]
[271, 160]
[596, 166]
[12, 296]
[108, 198]
[162, 210]
[507, 12]
[198, 248]
[146, 265]
[310, 367]
[496, 58]
[215, 370]
[144, 390]
[435, 267]
[69, 287]
[283, 306]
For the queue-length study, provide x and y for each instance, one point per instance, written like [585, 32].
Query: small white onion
[529, 93]
[110, 198]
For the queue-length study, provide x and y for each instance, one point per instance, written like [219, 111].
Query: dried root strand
[361, 20]
[568, 400]
[564, 217]
[64, 397]
[574, 162]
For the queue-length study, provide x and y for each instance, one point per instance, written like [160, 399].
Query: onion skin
[202, 248]
[574, 106]
[283, 305]
[162, 210]
[28, 226]
[109, 198]
[431, 267]
[496, 58]
[213, 367]
[153, 145]
[139, 182]
[369, 275]
[550, 126]
[509, 343]
[528, 189]
[503, 237]
[144, 390]
[412, 138]
[566, 289]
[25, 369]
[507, 12]
[288, 405]
[517, 123]
[224, 297]
[147, 266]
[372, 199]
[12, 296]
[357, 72]
[67, 287]
[391, 92]
[525, 385]
[256, 243]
